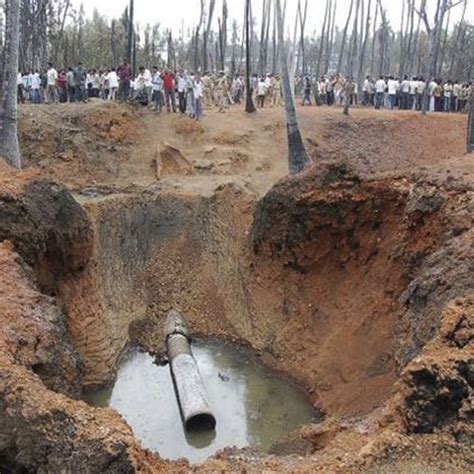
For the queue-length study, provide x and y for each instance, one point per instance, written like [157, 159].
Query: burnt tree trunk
[249, 105]
[130, 31]
[344, 37]
[9, 148]
[298, 158]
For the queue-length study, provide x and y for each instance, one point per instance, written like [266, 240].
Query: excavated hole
[334, 290]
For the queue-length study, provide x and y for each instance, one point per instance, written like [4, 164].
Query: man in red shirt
[124, 73]
[168, 86]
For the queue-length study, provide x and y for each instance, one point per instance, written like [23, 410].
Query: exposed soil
[353, 278]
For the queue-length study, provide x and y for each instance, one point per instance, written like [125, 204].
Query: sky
[172, 13]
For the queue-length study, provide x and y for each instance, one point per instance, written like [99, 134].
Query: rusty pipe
[188, 385]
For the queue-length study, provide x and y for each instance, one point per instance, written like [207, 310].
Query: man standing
[198, 94]
[157, 82]
[307, 92]
[113, 82]
[405, 93]
[276, 94]
[80, 76]
[181, 85]
[125, 74]
[71, 85]
[420, 92]
[392, 87]
[379, 92]
[222, 91]
[261, 93]
[148, 84]
[19, 84]
[168, 85]
[447, 95]
[207, 90]
[35, 84]
[365, 91]
[454, 100]
[52, 77]
[412, 93]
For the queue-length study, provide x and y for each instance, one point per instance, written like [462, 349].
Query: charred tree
[9, 148]
[249, 105]
[205, 55]
[130, 31]
[344, 37]
[298, 158]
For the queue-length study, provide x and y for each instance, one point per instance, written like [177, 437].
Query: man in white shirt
[157, 83]
[51, 90]
[412, 93]
[113, 82]
[420, 92]
[148, 84]
[447, 94]
[456, 89]
[261, 92]
[379, 92]
[392, 87]
[366, 88]
[405, 93]
[35, 84]
[198, 94]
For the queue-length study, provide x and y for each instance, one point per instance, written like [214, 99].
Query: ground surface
[354, 278]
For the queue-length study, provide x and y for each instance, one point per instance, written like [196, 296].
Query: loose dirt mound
[187, 126]
[230, 138]
[77, 144]
[119, 127]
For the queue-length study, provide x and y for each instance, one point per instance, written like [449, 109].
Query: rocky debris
[170, 162]
[437, 388]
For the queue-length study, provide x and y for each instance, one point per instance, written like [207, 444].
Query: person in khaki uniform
[276, 92]
[207, 90]
[222, 92]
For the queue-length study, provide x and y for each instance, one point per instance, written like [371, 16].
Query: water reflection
[252, 407]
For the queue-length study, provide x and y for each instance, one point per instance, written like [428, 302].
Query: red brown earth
[353, 278]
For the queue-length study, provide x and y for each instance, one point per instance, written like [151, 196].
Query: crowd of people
[389, 92]
[188, 92]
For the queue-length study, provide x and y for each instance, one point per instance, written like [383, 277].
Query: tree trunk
[445, 41]
[330, 41]
[360, 76]
[374, 36]
[298, 158]
[344, 36]
[402, 44]
[302, 25]
[456, 42]
[9, 148]
[249, 105]
[321, 42]
[130, 31]
[212, 4]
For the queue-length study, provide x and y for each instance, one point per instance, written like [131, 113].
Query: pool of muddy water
[252, 406]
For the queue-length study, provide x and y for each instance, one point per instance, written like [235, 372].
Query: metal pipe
[188, 385]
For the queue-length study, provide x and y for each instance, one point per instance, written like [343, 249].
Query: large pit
[347, 288]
